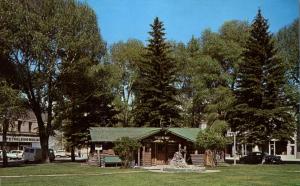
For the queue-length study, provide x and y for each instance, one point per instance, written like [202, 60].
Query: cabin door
[160, 154]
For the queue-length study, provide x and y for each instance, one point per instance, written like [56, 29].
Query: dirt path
[61, 175]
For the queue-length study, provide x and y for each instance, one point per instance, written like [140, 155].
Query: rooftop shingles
[189, 134]
[106, 134]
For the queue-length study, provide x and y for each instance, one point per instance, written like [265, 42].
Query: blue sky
[125, 19]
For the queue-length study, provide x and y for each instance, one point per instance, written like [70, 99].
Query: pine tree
[263, 111]
[156, 103]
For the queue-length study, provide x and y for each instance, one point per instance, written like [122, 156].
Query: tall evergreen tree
[263, 111]
[156, 103]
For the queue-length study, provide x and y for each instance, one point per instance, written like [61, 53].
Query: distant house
[287, 150]
[158, 144]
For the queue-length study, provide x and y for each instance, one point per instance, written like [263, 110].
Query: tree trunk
[44, 146]
[43, 134]
[72, 154]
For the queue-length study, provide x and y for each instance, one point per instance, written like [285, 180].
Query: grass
[232, 175]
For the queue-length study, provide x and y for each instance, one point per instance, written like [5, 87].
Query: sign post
[98, 149]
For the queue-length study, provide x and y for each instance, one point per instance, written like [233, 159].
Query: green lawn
[86, 175]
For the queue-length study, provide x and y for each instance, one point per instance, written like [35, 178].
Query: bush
[125, 148]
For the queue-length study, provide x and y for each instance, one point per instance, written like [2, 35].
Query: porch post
[166, 152]
[143, 155]
[185, 151]
[288, 148]
[269, 148]
[155, 152]
[295, 147]
[139, 157]
[243, 149]
[274, 147]
[150, 156]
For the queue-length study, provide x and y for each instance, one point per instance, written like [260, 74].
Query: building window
[29, 126]
[19, 126]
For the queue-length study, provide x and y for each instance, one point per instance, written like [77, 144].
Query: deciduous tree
[40, 37]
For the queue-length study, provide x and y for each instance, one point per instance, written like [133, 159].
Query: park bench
[110, 161]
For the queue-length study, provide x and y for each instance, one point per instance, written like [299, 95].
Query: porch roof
[189, 134]
[107, 134]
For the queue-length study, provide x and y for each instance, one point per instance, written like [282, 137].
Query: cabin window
[29, 126]
[19, 126]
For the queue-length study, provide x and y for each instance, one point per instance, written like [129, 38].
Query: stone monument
[178, 160]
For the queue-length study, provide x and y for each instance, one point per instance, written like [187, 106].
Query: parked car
[271, 159]
[32, 154]
[15, 154]
[69, 154]
[259, 157]
[1, 155]
[61, 153]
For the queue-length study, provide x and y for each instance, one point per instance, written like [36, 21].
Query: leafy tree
[210, 66]
[40, 38]
[203, 83]
[262, 111]
[156, 94]
[125, 56]
[227, 47]
[288, 47]
[11, 108]
[211, 96]
[186, 57]
[125, 149]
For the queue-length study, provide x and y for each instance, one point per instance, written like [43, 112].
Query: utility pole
[297, 140]
[234, 145]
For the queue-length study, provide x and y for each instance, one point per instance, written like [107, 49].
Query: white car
[61, 153]
[15, 154]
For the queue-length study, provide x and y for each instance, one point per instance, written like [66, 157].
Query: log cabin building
[158, 145]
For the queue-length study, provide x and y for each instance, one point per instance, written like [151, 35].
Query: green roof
[107, 134]
[189, 134]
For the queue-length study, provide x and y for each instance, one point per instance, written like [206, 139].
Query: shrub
[125, 148]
